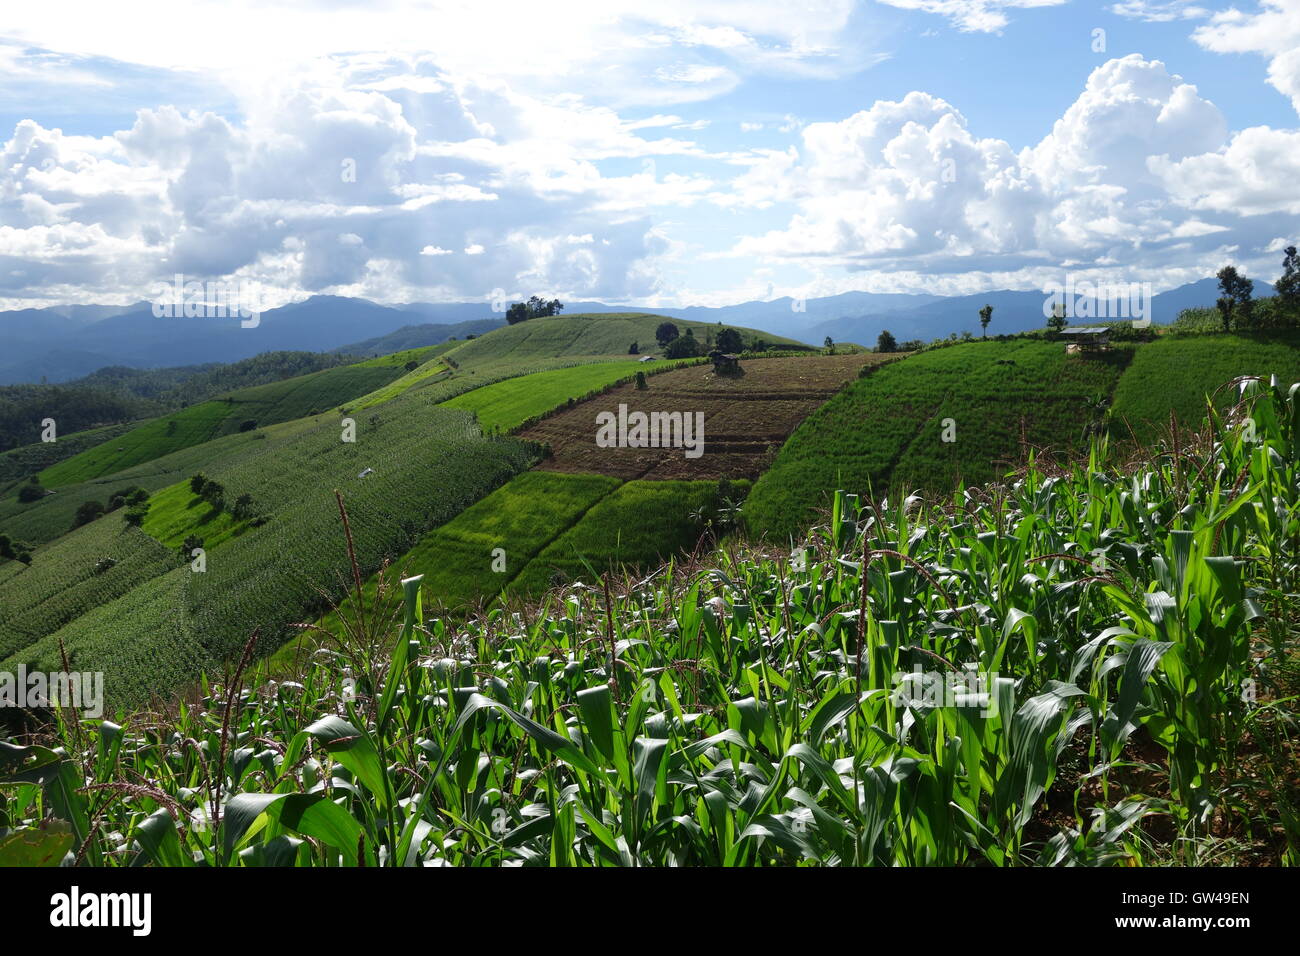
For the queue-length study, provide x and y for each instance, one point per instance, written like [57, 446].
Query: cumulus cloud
[1139, 172]
[326, 185]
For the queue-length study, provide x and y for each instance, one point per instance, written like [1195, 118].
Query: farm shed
[1086, 339]
[724, 363]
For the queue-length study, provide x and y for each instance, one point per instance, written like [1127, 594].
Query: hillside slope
[590, 334]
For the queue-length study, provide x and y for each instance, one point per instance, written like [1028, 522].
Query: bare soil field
[746, 418]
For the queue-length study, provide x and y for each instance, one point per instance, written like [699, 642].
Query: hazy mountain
[42, 343]
[67, 342]
[418, 336]
[1012, 312]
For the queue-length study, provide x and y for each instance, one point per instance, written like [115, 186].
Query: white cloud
[434, 251]
[1255, 174]
[474, 249]
[1139, 173]
[1273, 32]
[1159, 11]
[973, 16]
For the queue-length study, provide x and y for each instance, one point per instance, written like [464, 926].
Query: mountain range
[60, 343]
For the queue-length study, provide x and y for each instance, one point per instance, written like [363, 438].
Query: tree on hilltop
[535, 308]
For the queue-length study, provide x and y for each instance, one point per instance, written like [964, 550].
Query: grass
[432, 370]
[261, 405]
[176, 512]
[571, 336]
[521, 517]
[510, 403]
[637, 526]
[998, 401]
[44, 520]
[1177, 374]
[1051, 679]
[17, 463]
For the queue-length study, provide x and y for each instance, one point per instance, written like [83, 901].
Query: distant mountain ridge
[62, 343]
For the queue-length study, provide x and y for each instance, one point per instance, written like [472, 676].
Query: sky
[685, 152]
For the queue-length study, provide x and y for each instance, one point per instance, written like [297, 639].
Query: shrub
[87, 512]
[29, 493]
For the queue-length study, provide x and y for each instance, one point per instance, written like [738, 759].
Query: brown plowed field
[746, 419]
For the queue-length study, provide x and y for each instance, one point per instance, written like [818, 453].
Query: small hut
[1082, 339]
[724, 363]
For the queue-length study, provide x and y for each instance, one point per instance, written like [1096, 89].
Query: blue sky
[689, 152]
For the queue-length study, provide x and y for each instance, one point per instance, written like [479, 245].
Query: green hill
[968, 412]
[599, 333]
[241, 410]
[1178, 373]
[1093, 668]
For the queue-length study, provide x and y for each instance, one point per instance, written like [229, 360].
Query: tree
[243, 507]
[886, 342]
[829, 344]
[411, 366]
[986, 316]
[665, 334]
[197, 481]
[640, 381]
[135, 514]
[87, 512]
[729, 340]
[536, 307]
[30, 492]
[1236, 304]
[681, 347]
[248, 425]
[126, 496]
[214, 493]
[1056, 321]
[634, 349]
[1288, 287]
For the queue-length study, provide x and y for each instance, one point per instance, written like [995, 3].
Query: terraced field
[996, 401]
[638, 526]
[17, 463]
[510, 403]
[424, 470]
[746, 419]
[239, 411]
[92, 566]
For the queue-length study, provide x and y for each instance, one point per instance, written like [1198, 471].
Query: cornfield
[1118, 641]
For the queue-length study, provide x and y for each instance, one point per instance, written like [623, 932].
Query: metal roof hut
[1082, 339]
